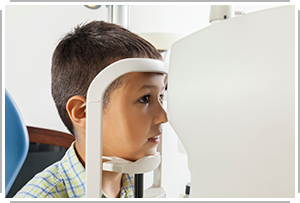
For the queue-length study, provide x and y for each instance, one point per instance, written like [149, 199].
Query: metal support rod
[157, 172]
[119, 15]
[138, 185]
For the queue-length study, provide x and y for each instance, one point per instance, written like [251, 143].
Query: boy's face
[133, 118]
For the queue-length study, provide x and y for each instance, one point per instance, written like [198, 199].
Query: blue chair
[16, 141]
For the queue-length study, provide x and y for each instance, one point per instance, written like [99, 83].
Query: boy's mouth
[154, 139]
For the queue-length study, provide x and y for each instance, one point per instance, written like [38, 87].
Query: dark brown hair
[84, 52]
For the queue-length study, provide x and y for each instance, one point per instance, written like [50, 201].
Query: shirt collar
[73, 174]
[127, 189]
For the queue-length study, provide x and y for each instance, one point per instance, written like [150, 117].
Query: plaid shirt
[65, 179]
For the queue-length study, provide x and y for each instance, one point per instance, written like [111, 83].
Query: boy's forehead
[136, 83]
[137, 79]
[145, 76]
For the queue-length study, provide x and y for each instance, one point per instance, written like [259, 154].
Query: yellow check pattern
[65, 179]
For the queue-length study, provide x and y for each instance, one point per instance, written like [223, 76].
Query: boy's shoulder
[48, 183]
[64, 178]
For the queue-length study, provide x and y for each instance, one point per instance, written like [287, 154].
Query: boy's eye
[145, 99]
[161, 98]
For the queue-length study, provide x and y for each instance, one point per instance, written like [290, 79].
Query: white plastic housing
[143, 165]
[94, 115]
[231, 101]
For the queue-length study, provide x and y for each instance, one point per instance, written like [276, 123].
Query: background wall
[31, 35]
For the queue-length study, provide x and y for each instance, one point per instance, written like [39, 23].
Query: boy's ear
[76, 108]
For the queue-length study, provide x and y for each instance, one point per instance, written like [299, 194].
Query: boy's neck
[80, 152]
[111, 181]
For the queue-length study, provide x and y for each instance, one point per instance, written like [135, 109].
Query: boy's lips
[155, 139]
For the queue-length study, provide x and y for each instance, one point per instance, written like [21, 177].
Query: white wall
[31, 34]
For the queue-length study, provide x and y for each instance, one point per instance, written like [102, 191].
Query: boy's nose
[161, 116]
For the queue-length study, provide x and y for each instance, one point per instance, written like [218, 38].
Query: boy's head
[84, 52]
[133, 112]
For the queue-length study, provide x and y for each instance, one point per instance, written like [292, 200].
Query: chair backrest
[50, 137]
[16, 141]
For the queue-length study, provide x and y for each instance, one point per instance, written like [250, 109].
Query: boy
[132, 112]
